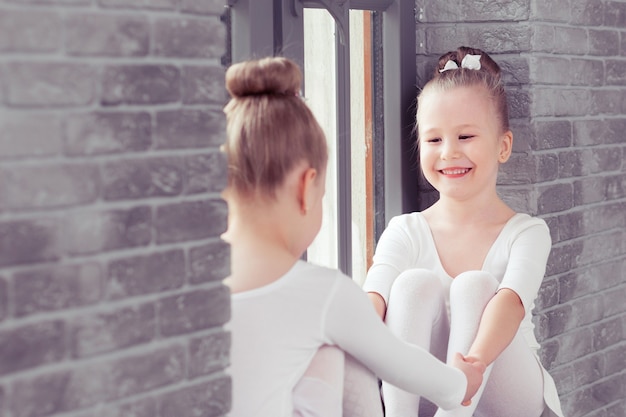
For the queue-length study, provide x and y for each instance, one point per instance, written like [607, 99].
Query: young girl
[462, 275]
[285, 310]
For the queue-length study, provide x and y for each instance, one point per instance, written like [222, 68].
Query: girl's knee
[319, 392]
[327, 365]
[474, 283]
[473, 287]
[417, 303]
[414, 283]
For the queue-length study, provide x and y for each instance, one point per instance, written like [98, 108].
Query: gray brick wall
[111, 301]
[565, 64]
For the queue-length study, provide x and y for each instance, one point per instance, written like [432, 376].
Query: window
[358, 59]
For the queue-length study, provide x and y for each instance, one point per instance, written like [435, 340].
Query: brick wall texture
[111, 301]
[565, 66]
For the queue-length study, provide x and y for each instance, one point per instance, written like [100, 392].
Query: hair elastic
[469, 62]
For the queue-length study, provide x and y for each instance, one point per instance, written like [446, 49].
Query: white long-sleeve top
[517, 259]
[277, 329]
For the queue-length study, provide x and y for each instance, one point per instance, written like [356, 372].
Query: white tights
[512, 385]
[336, 385]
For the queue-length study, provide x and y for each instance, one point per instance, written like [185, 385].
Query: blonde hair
[269, 127]
[488, 76]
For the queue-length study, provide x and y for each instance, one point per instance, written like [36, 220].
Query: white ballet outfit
[278, 328]
[517, 260]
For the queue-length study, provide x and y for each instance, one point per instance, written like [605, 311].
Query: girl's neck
[470, 212]
[260, 249]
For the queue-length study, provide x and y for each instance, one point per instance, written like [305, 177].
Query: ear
[506, 146]
[306, 189]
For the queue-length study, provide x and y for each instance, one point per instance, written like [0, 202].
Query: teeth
[455, 171]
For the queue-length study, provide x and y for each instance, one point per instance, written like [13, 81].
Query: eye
[464, 137]
[433, 140]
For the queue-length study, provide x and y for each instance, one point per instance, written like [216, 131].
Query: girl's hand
[473, 370]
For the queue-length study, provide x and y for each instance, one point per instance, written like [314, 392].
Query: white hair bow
[469, 62]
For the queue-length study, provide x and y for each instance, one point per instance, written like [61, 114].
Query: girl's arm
[394, 251]
[499, 324]
[503, 314]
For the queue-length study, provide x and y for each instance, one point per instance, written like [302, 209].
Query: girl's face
[460, 141]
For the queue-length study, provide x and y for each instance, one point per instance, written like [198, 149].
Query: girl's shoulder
[521, 221]
[410, 228]
[317, 277]
[523, 226]
[410, 221]
[305, 268]
[303, 278]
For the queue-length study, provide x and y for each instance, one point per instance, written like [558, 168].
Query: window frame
[275, 27]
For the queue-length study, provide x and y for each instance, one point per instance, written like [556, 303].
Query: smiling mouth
[455, 171]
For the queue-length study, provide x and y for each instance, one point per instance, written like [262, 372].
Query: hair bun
[267, 76]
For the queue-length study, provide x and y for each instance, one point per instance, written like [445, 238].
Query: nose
[450, 149]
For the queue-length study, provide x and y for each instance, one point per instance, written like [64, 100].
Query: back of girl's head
[452, 71]
[269, 127]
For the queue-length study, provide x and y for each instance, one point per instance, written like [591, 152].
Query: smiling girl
[462, 275]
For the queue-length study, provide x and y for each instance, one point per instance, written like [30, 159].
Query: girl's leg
[515, 386]
[417, 314]
[500, 394]
[319, 392]
[361, 395]
[469, 294]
